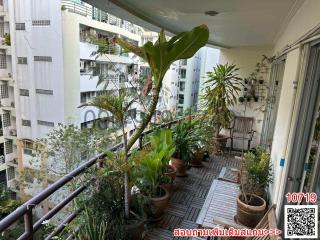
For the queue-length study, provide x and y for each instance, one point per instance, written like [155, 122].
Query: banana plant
[159, 55]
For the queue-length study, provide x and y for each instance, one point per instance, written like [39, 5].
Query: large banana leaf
[163, 53]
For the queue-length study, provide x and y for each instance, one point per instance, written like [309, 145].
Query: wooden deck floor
[188, 198]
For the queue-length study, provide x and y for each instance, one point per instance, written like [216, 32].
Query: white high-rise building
[192, 75]
[47, 72]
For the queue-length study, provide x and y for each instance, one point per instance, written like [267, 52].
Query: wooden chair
[242, 128]
[267, 222]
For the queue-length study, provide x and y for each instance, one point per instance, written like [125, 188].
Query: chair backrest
[267, 222]
[242, 124]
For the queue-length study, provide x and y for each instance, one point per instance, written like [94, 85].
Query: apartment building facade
[46, 71]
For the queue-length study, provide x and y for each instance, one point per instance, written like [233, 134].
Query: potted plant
[162, 143]
[200, 131]
[185, 141]
[223, 85]
[254, 179]
[148, 167]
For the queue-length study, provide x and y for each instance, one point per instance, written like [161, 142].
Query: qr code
[301, 221]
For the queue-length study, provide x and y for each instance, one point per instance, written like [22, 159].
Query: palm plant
[221, 92]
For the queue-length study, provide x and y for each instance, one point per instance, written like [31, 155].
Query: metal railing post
[141, 142]
[28, 225]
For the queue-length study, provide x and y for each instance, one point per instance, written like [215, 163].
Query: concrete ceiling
[238, 22]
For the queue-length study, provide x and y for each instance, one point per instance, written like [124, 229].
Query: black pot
[241, 99]
[256, 99]
[261, 81]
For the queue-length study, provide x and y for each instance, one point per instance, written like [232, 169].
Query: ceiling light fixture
[211, 13]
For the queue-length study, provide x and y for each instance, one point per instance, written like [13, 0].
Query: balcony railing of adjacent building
[26, 209]
[98, 15]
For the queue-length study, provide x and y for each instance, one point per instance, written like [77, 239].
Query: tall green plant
[159, 55]
[186, 137]
[221, 92]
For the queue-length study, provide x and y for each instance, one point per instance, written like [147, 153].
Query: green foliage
[71, 145]
[187, 136]
[104, 209]
[93, 228]
[258, 167]
[7, 204]
[149, 164]
[116, 103]
[223, 85]
[162, 142]
[7, 40]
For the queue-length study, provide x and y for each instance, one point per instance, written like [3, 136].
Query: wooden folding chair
[242, 128]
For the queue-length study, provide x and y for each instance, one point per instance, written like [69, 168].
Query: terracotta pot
[250, 214]
[171, 172]
[180, 165]
[134, 231]
[169, 187]
[220, 144]
[158, 205]
[197, 159]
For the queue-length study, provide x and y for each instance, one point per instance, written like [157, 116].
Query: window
[182, 86]
[183, 62]
[20, 26]
[26, 123]
[43, 58]
[4, 91]
[8, 146]
[41, 22]
[22, 60]
[27, 151]
[45, 123]
[24, 92]
[3, 60]
[181, 98]
[10, 173]
[6, 119]
[183, 73]
[1, 27]
[42, 91]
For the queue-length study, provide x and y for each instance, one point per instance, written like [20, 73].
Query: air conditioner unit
[12, 104]
[93, 64]
[9, 75]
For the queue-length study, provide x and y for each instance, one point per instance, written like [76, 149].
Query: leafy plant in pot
[159, 55]
[255, 177]
[147, 167]
[199, 132]
[185, 141]
[222, 89]
[162, 141]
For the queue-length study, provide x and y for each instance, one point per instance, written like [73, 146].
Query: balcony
[279, 111]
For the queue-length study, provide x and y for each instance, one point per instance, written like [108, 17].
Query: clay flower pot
[250, 214]
[181, 167]
[158, 205]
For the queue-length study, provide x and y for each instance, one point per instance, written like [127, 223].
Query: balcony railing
[26, 209]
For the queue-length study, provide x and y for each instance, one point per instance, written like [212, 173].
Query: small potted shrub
[185, 141]
[254, 179]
